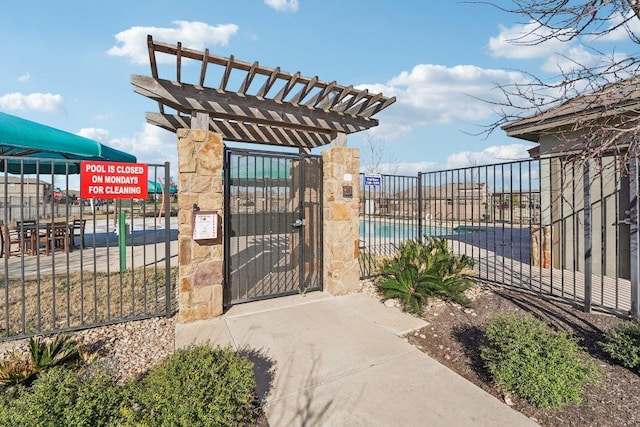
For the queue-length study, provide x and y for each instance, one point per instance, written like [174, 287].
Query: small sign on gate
[205, 225]
[372, 179]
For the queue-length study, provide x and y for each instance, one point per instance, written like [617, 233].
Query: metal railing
[550, 226]
[117, 262]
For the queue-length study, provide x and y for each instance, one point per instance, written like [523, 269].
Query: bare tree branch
[592, 109]
[376, 154]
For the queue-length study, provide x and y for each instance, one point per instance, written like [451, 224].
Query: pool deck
[144, 247]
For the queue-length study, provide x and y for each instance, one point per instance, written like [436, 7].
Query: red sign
[113, 180]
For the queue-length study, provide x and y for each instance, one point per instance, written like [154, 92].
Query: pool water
[372, 229]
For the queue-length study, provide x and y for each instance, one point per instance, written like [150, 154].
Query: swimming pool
[374, 229]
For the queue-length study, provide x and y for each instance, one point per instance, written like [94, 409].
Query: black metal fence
[561, 228]
[70, 263]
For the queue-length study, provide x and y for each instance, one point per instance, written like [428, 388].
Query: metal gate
[273, 224]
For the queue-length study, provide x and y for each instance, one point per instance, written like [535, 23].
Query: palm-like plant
[59, 351]
[421, 270]
[401, 283]
[16, 369]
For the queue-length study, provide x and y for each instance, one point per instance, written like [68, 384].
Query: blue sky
[67, 64]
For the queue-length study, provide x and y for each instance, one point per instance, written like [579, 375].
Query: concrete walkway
[322, 360]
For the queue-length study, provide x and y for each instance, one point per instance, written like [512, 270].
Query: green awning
[36, 147]
[261, 173]
[156, 187]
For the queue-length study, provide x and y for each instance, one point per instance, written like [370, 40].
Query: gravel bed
[129, 349]
[123, 350]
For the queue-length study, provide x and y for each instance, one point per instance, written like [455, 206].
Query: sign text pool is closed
[113, 180]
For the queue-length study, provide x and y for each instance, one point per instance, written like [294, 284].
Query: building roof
[21, 180]
[614, 99]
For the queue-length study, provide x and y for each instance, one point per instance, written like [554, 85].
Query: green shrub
[421, 270]
[622, 344]
[526, 358]
[60, 398]
[197, 386]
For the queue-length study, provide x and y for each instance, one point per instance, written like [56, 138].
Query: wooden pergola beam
[305, 112]
[154, 65]
[227, 73]
[302, 93]
[273, 74]
[178, 62]
[249, 78]
[244, 132]
[203, 69]
[186, 98]
[287, 88]
[266, 87]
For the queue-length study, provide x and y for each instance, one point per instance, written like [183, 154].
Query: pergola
[270, 106]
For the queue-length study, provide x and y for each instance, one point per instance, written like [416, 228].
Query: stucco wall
[562, 203]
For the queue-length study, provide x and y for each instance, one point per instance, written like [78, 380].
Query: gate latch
[297, 223]
[623, 221]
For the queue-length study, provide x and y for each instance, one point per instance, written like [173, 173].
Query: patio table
[56, 236]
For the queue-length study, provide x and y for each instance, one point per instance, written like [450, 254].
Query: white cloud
[102, 117]
[430, 94]
[522, 42]
[434, 94]
[283, 5]
[621, 32]
[100, 135]
[574, 58]
[44, 102]
[488, 156]
[24, 78]
[152, 145]
[406, 168]
[193, 35]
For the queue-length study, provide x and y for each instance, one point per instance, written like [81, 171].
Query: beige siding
[563, 197]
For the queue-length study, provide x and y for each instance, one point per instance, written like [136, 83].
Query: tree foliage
[608, 87]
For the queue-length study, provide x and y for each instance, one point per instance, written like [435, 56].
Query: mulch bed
[454, 337]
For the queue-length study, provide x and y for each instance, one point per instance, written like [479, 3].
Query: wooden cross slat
[203, 70]
[227, 72]
[249, 78]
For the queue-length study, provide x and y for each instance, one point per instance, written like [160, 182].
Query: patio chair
[56, 238]
[8, 239]
[78, 230]
[29, 233]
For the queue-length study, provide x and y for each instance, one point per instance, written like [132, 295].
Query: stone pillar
[341, 166]
[200, 165]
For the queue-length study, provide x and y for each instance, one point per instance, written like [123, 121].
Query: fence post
[122, 238]
[633, 234]
[420, 213]
[167, 238]
[587, 236]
